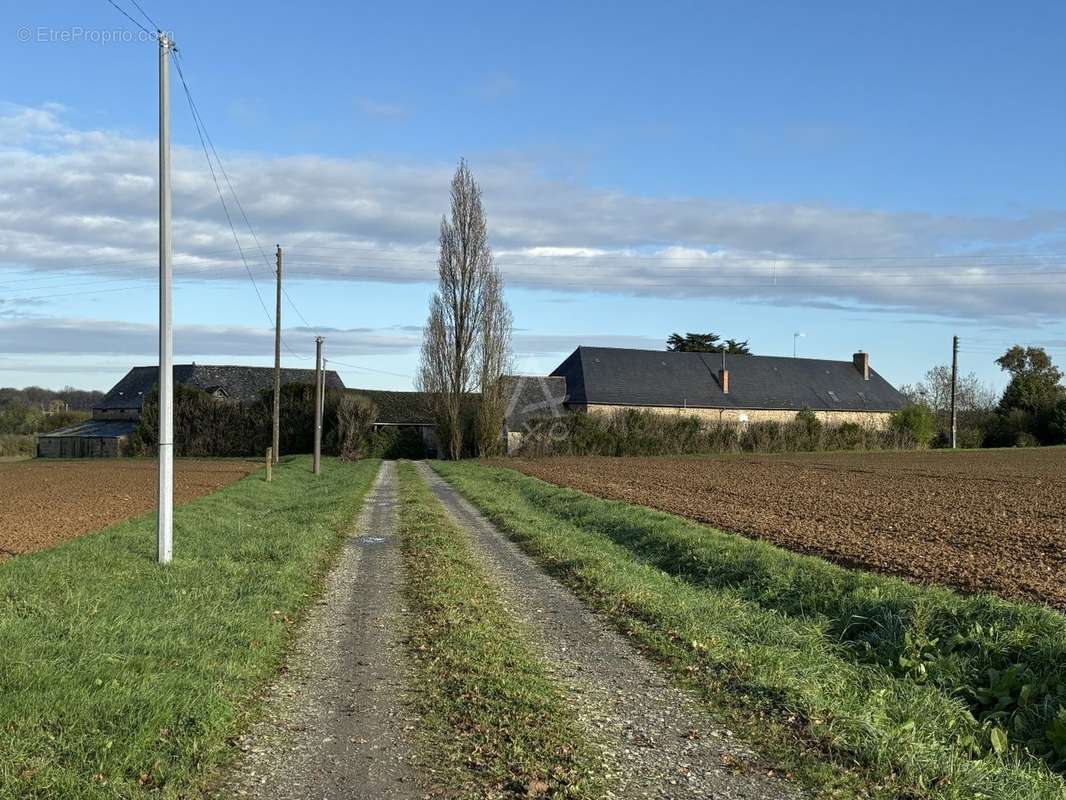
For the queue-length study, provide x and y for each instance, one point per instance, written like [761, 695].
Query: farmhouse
[117, 413]
[733, 388]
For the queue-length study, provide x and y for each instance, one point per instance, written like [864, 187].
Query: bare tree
[469, 291]
[494, 361]
[935, 392]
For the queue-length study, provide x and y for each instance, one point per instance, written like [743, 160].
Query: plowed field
[990, 521]
[45, 502]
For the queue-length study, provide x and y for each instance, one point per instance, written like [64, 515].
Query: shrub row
[207, 426]
[632, 432]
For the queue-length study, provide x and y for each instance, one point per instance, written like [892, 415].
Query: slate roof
[398, 408]
[237, 383]
[621, 376]
[92, 429]
[532, 397]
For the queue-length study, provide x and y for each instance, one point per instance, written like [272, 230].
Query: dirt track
[46, 502]
[979, 520]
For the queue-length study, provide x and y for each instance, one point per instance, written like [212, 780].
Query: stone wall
[874, 419]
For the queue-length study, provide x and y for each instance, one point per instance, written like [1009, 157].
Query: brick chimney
[723, 379]
[861, 361]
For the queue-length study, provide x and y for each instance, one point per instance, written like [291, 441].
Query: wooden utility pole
[316, 464]
[275, 440]
[954, 388]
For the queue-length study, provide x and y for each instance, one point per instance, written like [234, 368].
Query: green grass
[497, 723]
[868, 684]
[123, 679]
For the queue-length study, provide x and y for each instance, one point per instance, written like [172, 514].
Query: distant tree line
[35, 410]
[1030, 412]
[75, 399]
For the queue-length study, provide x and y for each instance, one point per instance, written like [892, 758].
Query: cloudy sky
[874, 179]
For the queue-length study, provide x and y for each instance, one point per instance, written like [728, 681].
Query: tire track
[335, 725]
[660, 744]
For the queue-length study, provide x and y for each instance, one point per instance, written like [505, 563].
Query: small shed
[404, 411]
[89, 439]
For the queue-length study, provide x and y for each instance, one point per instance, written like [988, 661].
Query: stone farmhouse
[731, 388]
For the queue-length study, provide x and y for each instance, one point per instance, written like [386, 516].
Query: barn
[728, 388]
[116, 415]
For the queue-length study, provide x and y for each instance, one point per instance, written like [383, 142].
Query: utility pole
[319, 381]
[954, 389]
[277, 361]
[165, 499]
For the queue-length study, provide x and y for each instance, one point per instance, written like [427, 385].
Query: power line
[369, 369]
[218, 189]
[124, 13]
[143, 14]
[237, 199]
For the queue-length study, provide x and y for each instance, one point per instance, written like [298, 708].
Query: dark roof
[398, 408]
[93, 429]
[532, 397]
[619, 376]
[238, 383]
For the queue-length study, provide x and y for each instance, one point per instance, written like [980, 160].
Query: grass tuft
[872, 685]
[498, 724]
[120, 678]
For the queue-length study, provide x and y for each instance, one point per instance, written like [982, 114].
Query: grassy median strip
[901, 690]
[123, 679]
[497, 723]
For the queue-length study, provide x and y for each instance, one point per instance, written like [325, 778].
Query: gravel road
[335, 726]
[659, 743]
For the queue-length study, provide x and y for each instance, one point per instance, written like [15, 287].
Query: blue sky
[877, 177]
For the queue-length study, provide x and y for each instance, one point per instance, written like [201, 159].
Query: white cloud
[84, 201]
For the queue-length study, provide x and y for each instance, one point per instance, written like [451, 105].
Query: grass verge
[901, 690]
[122, 679]
[497, 723]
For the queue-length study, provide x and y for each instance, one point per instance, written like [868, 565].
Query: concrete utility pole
[319, 382]
[277, 362]
[954, 388]
[165, 504]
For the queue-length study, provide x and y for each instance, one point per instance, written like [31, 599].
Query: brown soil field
[992, 521]
[45, 502]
